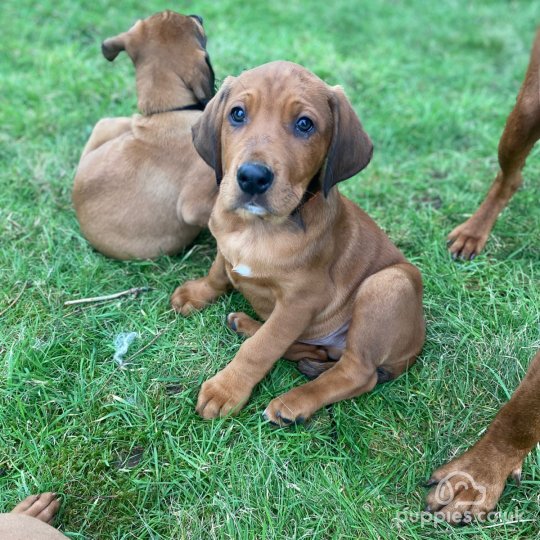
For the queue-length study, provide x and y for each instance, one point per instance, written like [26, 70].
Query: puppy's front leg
[229, 390]
[198, 293]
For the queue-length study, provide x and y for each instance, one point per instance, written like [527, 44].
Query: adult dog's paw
[468, 239]
[468, 487]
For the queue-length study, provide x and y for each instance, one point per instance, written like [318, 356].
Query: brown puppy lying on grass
[312, 264]
[141, 189]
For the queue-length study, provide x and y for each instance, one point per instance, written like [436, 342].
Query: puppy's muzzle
[254, 178]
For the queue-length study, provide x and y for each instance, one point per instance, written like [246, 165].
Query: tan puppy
[141, 189]
[313, 265]
[520, 134]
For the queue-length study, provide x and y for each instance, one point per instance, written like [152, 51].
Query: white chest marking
[242, 270]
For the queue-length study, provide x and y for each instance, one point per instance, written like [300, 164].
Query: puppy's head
[275, 132]
[168, 42]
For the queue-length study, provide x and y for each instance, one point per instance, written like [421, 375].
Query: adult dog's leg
[470, 486]
[386, 334]
[105, 130]
[198, 293]
[246, 326]
[521, 132]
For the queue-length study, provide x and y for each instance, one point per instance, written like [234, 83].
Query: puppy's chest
[250, 270]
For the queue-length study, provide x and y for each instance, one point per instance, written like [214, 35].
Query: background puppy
[313, 265]
[141, 189]
[521, 132]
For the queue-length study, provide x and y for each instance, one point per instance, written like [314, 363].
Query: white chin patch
[242, 270]
[255, 209]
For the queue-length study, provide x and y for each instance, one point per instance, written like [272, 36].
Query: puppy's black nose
[254, 178]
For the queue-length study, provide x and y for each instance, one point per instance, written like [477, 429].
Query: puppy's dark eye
[237, 115]
[304, 125]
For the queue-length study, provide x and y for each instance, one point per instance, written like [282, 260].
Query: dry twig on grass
[15, 300]
[150, 343]
[134, 291]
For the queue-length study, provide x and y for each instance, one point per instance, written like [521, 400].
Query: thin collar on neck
[193, 107]
[311, 192]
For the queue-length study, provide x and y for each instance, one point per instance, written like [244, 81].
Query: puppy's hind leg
[244, 325]
[386, 334]
[105, 130]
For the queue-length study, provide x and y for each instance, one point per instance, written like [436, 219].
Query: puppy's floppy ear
[198, 18]
[112, 47]
[206, 131]
[350, 149]
[201, 79]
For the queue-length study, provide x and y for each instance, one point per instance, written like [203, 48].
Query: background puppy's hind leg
[386, 334]
[521, 132]
[105, 130]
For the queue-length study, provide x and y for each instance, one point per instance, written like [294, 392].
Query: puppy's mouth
[255, 209]
[253, 206]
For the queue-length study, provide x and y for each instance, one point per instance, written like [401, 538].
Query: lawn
[433, 83]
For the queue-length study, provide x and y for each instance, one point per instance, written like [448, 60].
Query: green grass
[433, 83]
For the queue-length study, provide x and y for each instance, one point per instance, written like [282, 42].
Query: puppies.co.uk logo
[454, 483]
[446, 493]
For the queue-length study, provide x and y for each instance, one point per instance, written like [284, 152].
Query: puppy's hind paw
[313, 368]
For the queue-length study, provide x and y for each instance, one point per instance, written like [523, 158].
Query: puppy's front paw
[221, 396]
[294, 407]
[192, 296]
